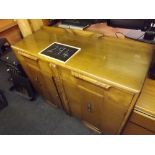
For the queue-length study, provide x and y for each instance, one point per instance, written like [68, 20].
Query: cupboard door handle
[28, 56]
[52, 65]
[89, 107]
[36, 79]
[90, 80]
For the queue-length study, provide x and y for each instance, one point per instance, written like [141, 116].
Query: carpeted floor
[23, 117]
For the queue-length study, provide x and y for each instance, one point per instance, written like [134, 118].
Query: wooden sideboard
[99, 85]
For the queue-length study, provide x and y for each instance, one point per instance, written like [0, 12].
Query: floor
[23, 117]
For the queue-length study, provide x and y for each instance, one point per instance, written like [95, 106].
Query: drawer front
[143, 120]
[134, 129]
[110, 105]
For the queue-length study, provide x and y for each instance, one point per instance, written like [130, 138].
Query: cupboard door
[51, 90]
[41, 77]
[98, 103]
[36, 78]
[111, 105]
[91, 106]
[71, 93]
[50, 83]
[31, 67]
[44, 84]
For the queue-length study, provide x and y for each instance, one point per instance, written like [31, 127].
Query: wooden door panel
[50, 84]
[115, 109]
[91, 105]
[32, 69]
[114, 106]
[109, 104]
[73, 97]
[52, 93]
[35, 77]
[40, 75]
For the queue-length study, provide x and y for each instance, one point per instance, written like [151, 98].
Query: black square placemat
[60, 51]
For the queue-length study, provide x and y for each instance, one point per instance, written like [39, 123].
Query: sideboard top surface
[120, 62]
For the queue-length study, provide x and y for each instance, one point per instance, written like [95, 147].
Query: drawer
[134, 129]
[143, 120]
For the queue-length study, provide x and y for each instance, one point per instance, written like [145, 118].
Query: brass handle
[36, 78]
[52, 65]
[89, 107]
[28, 56]
[90, 80]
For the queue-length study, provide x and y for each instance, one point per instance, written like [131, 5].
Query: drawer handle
[89, 107]
[90, 80]
[28, 56]
[36, 79]
[52, 65]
